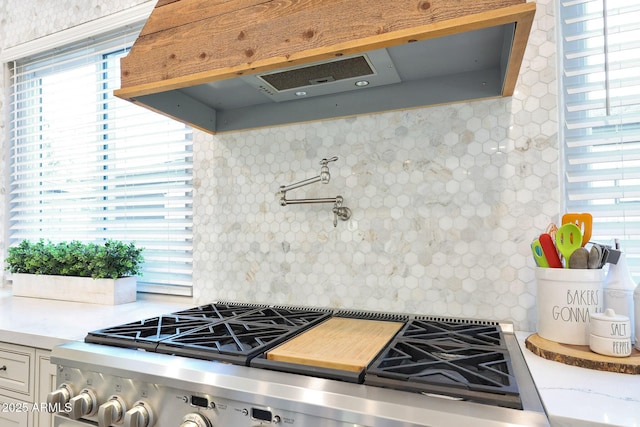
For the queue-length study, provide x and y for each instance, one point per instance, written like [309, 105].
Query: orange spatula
[584, 221]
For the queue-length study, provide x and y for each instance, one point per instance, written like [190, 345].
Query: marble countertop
[572, 396]
[43, 323]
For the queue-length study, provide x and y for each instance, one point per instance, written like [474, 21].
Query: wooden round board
[581, 355]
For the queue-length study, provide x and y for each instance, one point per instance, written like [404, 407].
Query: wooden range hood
[226, 65]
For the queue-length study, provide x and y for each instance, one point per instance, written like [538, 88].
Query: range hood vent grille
[319, 74]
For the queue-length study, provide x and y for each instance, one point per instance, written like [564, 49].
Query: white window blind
[600, 81]
[87, 166]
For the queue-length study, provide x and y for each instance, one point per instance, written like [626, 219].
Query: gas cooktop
[463, 359]
[227, 364]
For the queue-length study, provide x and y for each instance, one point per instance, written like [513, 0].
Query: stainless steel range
[211, 366]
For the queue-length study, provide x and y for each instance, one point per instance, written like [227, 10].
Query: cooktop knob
[140, 415]
[84, 404]
[195, 420]
[111, 412]
[57, 399]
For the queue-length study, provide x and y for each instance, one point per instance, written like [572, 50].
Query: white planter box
[78, 289]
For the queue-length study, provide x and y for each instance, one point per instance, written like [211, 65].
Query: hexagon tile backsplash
[445, 203]
[443, 214]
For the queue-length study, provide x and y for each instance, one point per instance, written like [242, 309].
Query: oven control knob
[58, 399]
[140, 415]
[111, 412]
[84, 404]
[195, 420]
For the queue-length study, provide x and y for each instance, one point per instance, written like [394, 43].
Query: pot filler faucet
[339, 211]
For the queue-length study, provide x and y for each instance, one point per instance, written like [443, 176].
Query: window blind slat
[602, 157]
[622, 141]
[87, 166]
[593, 177]
[610, 192]
[598, 83]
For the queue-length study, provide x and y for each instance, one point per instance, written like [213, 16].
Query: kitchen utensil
[612, 256]
[568, 239]
[579, 258]
[584, 221]
[551, 230]
[538, 254]
[550, 251]
[595, 257]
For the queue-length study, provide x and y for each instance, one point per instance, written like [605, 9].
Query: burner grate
[145, 334]
[283, 316]
[457, 366]
[468, 361]
[228, 341]
[455, 333]
[217, 311]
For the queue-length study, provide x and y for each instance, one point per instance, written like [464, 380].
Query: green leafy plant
[113, 259]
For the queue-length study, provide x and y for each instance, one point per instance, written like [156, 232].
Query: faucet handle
[324, 162]
[339, 211]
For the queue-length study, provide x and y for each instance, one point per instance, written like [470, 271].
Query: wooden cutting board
[338, 343]
[581, 355]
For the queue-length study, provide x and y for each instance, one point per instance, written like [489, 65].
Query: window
[600, 81]
[87, 166]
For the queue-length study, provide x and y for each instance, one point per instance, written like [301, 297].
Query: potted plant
[75, 271]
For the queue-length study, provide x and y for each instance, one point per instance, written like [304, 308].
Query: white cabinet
[17, 371]
[14, 413]
[46, 382]
[26, 376]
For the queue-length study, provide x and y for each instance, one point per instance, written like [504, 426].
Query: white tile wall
[445, 200]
